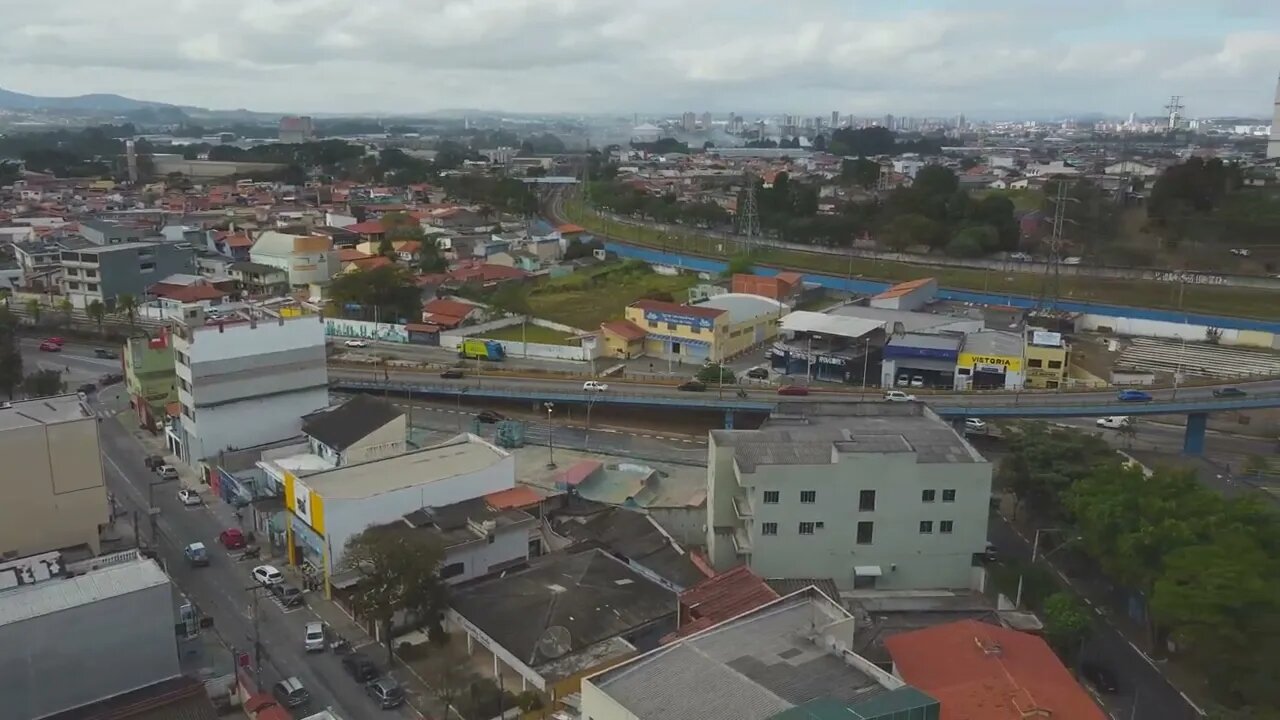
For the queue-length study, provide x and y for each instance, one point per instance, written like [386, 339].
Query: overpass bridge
[1196, 404]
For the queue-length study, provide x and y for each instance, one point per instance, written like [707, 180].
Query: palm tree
[96, 312]
[66, 308]
[33, 309]
[127, 305]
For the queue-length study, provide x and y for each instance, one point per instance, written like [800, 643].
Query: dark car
[386, 692]
[105, 353]
[453, 374]
[793, 390]
[87, 388]
[154, 462]
[692, 386]
[1099, 676]
[110, 379]
[288, 595]
[1133, 396]
[490, 416]
[290, 693]
[1229, 392]
[758, 373]
[360, 667]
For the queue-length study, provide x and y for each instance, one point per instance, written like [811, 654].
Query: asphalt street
[1144, 693]
[75, 361]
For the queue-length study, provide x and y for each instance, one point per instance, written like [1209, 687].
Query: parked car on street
[288, 595]
[314, 640]
[386, 692]
[1229, 392]
[167, 472]
[189, 497]
[1131, 395]
[758, 373]
[267, 575]
[692, 386]
[359, 667]
[290, 693]
[793, 390]
[232, 539]
[898, 396]
[154, 462]
[594, 386]
[356, 344]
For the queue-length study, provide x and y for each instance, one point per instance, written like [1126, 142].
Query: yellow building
[715, 330]
[1048, 357]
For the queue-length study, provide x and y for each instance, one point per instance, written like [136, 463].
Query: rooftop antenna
[749, 217]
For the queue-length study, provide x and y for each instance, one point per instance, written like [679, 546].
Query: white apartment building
[309, 259]
[869, 495]
[245, 382]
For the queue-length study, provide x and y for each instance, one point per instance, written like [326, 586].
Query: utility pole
[257, 635]
[551, 443]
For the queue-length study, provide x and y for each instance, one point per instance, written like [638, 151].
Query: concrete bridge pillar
[728, 419]
[1193, 438]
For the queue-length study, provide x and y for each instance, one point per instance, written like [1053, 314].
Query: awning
[867, 571]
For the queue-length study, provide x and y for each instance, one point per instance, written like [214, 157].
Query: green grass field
[586, 299]
[1213, 300]
[533, 333]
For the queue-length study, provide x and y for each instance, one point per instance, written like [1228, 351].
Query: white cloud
[995, 57]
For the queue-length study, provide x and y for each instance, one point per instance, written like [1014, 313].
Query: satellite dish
[555, 642]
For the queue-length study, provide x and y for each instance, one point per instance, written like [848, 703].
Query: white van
[1113, 422]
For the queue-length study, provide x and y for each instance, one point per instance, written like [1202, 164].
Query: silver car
[315, 637]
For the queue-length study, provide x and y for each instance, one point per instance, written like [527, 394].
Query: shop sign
[991, 363]
[678, 319]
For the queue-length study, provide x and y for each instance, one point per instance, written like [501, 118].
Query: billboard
[991, 363]
[1045, 338]
[303, 503]
[679, 319]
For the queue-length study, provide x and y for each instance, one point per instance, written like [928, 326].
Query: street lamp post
[551, 443]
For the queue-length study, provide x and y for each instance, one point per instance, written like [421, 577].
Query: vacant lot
[1214, 300]
[588, 298]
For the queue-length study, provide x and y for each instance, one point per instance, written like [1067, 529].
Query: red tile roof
[903, 288]
[578, 472]
[186, 293]
[371, 262]
[369, 227]
[674, 309]
[985, 672]
[568, 228]
[448, 308]
[238, 240]
[347, 255]
[720, 598]
[516, 497]
[486, 273]
[625, 329]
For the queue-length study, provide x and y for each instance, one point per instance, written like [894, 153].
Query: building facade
[884, 496]
[1048, 357]
[149, 378]
[244, 383]
[681, 333]
[991, 360]
[105, 273]
[308, 259]
[53, 495]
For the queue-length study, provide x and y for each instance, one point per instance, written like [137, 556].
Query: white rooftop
[43, 411]
[745, 306]
[51, 596]
[461, 456]
[822, 323]
[301, 463]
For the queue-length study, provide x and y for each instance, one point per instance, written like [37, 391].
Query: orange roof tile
[720, 598]
[349, 254]
[516, 497]
[902, 288]
[625, 329]
[370, 227]
[571, 228]
[372, 262]
[239, 239]
[985, 672]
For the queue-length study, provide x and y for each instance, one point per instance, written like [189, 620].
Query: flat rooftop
[750, 668]
[43, 411]
[647, 483]
[460, 456]
[815, 434]
[51, 596]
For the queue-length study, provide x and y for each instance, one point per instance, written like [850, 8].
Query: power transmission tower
[1174, 108]
[749, 217]
[1051, 285]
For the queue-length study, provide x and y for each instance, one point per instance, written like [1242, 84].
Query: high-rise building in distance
[1273, 144]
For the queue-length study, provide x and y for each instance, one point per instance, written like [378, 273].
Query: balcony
[742, 505]
[741, 540]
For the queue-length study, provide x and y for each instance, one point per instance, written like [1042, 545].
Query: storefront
[826, 366]
[992, 360]
[920, 360]
[305, 540]
[687, 334]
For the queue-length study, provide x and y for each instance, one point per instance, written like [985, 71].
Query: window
[806, 528]
[948, 496]
[808, 497]
[671, 326]
[91, 273]
[926, 527]
[148, 267]
[452, 570]
[770, 497]
[73, 285]
[1034, 362]
[91, 287]
[867, 500]
[866, 532]
[928, 495]
[1055, 364]
[653, 324]
[946, 526]
[768, 528]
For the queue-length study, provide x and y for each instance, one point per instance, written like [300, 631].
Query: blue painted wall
[871, 287]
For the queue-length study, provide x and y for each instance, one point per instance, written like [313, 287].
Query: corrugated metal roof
[53, 596]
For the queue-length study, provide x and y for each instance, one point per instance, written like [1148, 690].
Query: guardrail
[609, 397]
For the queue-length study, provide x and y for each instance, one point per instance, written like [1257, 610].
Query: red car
[231, 539]
[50, 346]
[56, 341]
[793, 390]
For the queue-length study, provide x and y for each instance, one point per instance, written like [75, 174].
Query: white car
[1113, 422]
[976, 425]
[189, 497]
[315, 637]
[898, 396]
[594, 386]
[356, 344]
[917, 381]
[267, 575]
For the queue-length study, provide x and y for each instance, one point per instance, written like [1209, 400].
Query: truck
[481, 350]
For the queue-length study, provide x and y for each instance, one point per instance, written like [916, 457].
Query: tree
[66, 308]
[127, 305]
[10, 353]
[740, 264]
[385, 247]
[1044, 462]
[398, 574]
[513, 298]
[430, 260]
[907, 231]
[820, 143]
[861, 172]
[716, 374]
[383, 294]
[935, 180]
[43, 383]
[974, 241]
[1066, 624]
[33, 310]
[96, 312]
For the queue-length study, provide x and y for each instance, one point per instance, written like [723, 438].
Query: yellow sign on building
[304, 503]
[995, 363]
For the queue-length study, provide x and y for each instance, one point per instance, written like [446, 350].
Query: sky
[986, 58]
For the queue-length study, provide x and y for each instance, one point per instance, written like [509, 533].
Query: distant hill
[10, 100]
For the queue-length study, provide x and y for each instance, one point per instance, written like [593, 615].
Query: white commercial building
[309, 259]
[245, 382]
[869, 495]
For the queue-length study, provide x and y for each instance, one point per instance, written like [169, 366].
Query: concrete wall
[208, 169]
[249, 422]
[477, 557]
[515, 348]
[58, 499]
[384, 442]
[66, 659]
[684, 525]
[908, 559]
[363, 330]
[1191, 332]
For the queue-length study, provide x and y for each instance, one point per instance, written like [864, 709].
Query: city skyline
[998, 59]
